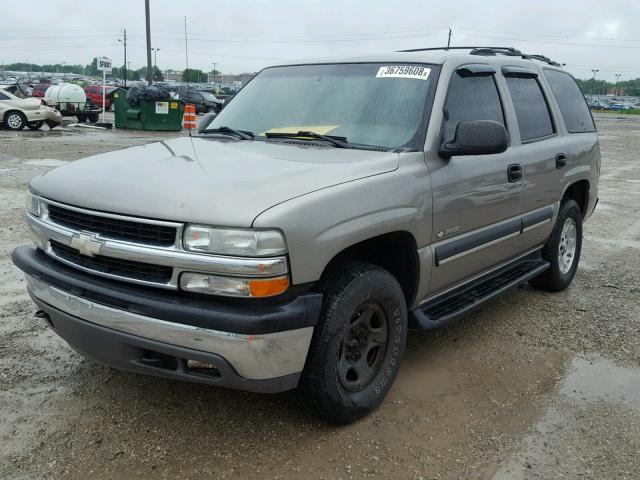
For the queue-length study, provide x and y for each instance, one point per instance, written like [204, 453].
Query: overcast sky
[245, 35]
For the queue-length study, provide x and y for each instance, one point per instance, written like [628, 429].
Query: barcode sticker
[404, 71]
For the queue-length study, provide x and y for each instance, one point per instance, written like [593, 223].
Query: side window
[571, 101]
[3, 96]
[472, 97]
[531, 108]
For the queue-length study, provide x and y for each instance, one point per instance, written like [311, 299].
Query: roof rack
[491, 51]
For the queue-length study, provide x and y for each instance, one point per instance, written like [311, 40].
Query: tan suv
[17, 113]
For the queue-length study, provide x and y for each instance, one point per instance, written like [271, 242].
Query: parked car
[327, 209]
[17, 113]
[39, 89]
[94, 95]
[205, 102]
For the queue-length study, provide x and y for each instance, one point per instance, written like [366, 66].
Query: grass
[630, 111]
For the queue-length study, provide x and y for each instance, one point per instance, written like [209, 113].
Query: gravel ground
[531, 386]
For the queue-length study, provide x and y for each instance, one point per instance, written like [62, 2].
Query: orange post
[189, 118]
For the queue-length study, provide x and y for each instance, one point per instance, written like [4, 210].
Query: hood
[218, 182]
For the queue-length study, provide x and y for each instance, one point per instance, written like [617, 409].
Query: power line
[261, 41]
[297, 36]
[554, 36]
[568, 44]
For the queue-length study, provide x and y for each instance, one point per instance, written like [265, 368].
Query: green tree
[193, 75]
[157, 74]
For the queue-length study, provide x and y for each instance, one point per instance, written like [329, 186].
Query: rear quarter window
[571, 102]
[532, 111]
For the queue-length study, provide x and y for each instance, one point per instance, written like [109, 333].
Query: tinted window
[531, 108]
[572, 103]
[471, 98]
[3, 96]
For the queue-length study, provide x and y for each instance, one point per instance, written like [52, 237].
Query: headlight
[229, 241]
[33, 204]
[233, 287]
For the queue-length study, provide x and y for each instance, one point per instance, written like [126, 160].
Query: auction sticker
[404, 71]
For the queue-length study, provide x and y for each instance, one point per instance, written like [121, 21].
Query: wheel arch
[395, 252]
[578, 191]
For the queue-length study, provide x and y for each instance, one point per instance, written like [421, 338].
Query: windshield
[368, 104]
[208, 96]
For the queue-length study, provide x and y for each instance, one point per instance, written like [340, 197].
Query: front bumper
[258, 348]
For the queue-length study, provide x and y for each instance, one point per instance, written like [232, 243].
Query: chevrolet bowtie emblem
[86, 243]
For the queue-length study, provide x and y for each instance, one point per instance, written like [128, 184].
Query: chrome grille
[115, 228]
[113, 266]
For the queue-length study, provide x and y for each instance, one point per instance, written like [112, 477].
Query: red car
[39, 90]
[94, 95]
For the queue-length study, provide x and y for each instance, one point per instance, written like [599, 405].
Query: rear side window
[3, 96]
[470, 98]
[572, 103]
[531, 108]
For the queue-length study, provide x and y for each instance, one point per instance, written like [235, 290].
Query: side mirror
[476, 137]
[206, 119]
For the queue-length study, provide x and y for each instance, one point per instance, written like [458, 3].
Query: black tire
[555, 279]
[15, 120]
[81, 118]
[52, 125]
[35, 125]
[363, 310]
[93, 117]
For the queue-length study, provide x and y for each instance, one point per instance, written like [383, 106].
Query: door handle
[561, 160]
[514, 172]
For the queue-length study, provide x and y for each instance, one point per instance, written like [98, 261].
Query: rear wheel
[93, 117]
[357, 347]
[35, 125]
[562, 250]
[15, 120]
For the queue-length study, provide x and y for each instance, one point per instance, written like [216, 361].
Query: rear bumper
[90, 315]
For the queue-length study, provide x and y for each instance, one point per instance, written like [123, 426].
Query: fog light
[233, 287]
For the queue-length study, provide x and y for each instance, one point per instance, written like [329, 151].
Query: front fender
[321, 224]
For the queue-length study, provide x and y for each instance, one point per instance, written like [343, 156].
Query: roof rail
[490, 51]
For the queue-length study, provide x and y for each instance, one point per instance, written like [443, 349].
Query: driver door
[476, 198]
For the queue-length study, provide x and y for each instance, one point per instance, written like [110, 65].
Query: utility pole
[149, 68]
[618, 75]
[593, 81]
[449, 39]
[214, 72]
[123, 40]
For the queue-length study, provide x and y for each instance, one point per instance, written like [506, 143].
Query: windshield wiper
[242, 134]
[340, 142]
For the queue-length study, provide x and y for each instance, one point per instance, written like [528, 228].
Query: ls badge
[449, 231]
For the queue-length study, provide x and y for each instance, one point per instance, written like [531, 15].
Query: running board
[444, 310]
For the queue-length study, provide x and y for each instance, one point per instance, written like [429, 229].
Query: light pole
[214, 72]
[155, 58]
[593, 81]
[618, 75]
[64, 74]
[123, 41]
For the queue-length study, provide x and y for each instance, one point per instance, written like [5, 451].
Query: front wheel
[562, 250]
[358, 345]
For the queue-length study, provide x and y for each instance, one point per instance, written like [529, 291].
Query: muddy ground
[531, 386]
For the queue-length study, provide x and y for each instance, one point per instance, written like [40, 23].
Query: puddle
[594, 394]
[46, 162]
[601, 379]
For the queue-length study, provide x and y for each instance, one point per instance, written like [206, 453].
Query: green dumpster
[147, 115]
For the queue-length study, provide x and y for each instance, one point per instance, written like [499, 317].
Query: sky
[247, 35]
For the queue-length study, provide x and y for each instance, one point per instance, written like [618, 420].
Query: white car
[17, 113]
